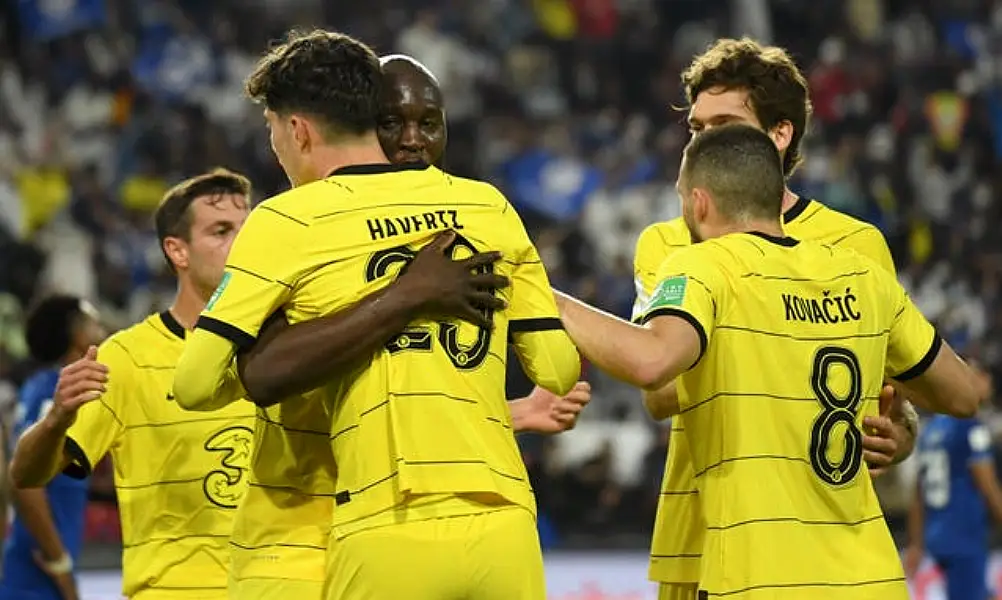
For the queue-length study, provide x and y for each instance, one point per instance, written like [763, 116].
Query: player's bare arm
[51, 556]
[916, 534]
[949, 386]
[291, 359]
[987, 482]
[983, 471]
[648, 357]
[41, 452]
[659, 402]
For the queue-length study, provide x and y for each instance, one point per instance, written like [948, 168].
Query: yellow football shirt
[797, 340]
[425, 419]
[678, 530]
[179, 475]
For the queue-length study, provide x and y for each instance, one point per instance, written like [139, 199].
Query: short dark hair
[49, 327]
[173, 215]
[740, 166]
[323, 74]
[777, 90]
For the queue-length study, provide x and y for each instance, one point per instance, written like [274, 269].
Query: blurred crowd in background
[570, 106]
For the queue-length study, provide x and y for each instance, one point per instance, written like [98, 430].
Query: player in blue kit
[957, 488]
[48, 527]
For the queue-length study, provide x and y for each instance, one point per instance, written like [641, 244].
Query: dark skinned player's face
[412, 123]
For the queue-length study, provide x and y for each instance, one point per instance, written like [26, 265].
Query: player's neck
[765, 226]
[188, 304]
[364, 150]
[789, 199]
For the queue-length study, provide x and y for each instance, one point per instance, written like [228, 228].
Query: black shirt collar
[171, 324]
[378, 169]
[796, 210]
[786, 241]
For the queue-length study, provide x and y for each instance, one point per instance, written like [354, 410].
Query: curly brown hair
[327, 75]
[777, 90]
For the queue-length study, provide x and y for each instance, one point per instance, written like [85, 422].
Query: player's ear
[701, 204]
[303, 133]
[782, 135]
[176, 251]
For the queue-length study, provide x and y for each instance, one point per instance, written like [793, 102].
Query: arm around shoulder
[549, 358]
[543, 348]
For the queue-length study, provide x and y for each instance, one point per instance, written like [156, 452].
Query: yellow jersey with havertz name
[179, 476]
[797, 339]
[678, 531]
[422, 426]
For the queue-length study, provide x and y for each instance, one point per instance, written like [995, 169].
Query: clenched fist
[80, 382]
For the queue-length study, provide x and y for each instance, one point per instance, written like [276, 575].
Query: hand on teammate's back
[880, 444]
[80, 382]
[454, 288]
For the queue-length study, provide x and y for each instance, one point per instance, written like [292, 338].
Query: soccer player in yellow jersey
[432, 496]
[779, 348]
[179, 475]
[411, 129]
[741, 81]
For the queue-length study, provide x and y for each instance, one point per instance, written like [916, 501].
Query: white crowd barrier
[593, 576]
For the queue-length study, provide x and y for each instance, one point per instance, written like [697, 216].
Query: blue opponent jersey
[956, 518]
[22, 579]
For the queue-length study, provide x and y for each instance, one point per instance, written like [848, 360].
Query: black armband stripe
[923, 365]
[691, 320]
[241, 339]
[80, 467]
[538, 324]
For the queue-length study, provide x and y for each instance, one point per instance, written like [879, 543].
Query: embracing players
[741, 81]
[779, 348]
[287, 361]
[420, 433]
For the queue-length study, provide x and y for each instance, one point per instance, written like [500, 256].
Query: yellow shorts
[677, 591]
[274, 589]
[486, 556]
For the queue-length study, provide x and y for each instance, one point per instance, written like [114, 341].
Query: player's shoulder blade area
[665, 234]
[819, 222]
[479, 191]
[303, 202]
